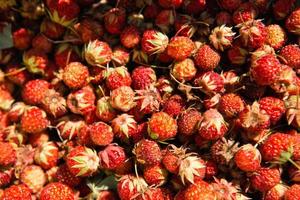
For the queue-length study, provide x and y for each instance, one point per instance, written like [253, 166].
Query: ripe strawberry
[89, 30]
[130, 37]
[212, 126]
[122, 98]
[105, 112]
[188, 121]
[97, 53]
[63, 12]
[38, 139]
[162, 126]
[223, 17]
[112, 157]
[253, 34]
[35, 61]
[154, 42]
[151, 194]
[147, 152]
[274, 107]
[184, 70]
[211, 169]
[155, 175]
[199, 190]
[293, 193]
[75, 75]
[7, 154]
[237, 55]
[65, 54]
[120, 56]
[46, 155]
[231, 105]
[180, 48]
[51, 29]
[16, 75]
[101, 134]
[293, 22]
[114, 20]
[247, 158]
[277, 192]
[82, 161]
[57, 191]
[41, 43]
[221, 37]
[245, 12]
[34, 120]
[265, 178]
[117, 77]
[173, 105]
[34, 184]
[6, 177]
[124, 126]
[290, 55]
[69, 127]
[143, 77]
[276, 36]
[170, 3]
[64, 176]
[17, 192]
[165, 20]
[206, 58]
[54, 104]
[223, 150]
[22, 38]
[129, 186]
[230, 5]
[35, 91]
[265, 70]
[184, 27]
[210, 82]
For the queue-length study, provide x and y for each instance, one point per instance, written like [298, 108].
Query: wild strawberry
[46, 155]
[101, 134]
[173, 105]
[230, 5]
[222, 18]
[199, 190]
[65, 54]
[124, 126]
[253, 119]
[188, 121]
[117, 77]
[155, 175]
[223, 150]
[162, 126]
[184, 70]
[120, 56]
[130, 37]
[89, 30]
[281, 8]
[247, 158]
[148, 100]
[147, 152]
[51, 29]
[253, 34]
[262, 51]
[265, 178]
[290, 56]
[231, 105]
[15, 192]
[221, 37]
[265, 70]
[237, 55]
[41, 43]
[82, 161]
[212, 126]
[180, 48]
[170, 4]
[105, 111]
[277, 192]
[35, 91]
[57, 190]
[81, 101]
[54, 104]
[274, 107]
[245, 12]
[34, 120]
[293, 22]
[276, 36]
[151, 194]
[115, 20]
[22, 38]
[122, 98]
[206, 58]
[129, 186]
[194, 7]
[210, 82]
[16, 75]
[225, 190]
[184, 27]
[64, 176]
[292, 193]
[165, 20]
[211, 169]
[164, 86]
[142, 77]
[111, 157]
[38, 139]
[97, 53]
[154, 42]
[75, 75]
[34, 184]
[35, 61]
[69, 127]
[6, 177]
[63, 12]
[7, 154]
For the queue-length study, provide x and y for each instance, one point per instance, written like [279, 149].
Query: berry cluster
[149, 99]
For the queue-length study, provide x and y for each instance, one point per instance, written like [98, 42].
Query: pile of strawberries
[149, 99]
